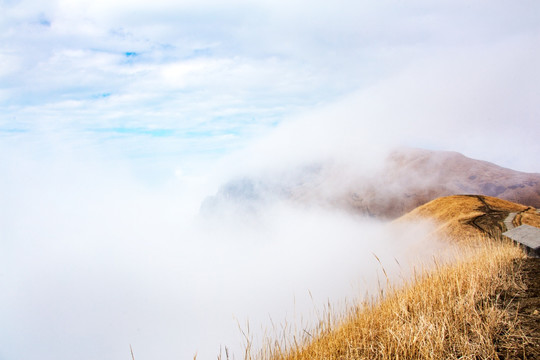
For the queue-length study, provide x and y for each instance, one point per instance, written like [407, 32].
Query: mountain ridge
[416, 176]
[406, 179]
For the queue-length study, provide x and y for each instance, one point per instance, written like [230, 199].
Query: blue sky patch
[43, 21]
[102, 95]
[13, 130]
[137, 131]
[210, 133]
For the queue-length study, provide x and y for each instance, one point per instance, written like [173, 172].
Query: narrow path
[509, 221]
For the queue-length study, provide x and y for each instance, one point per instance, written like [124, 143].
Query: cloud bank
[93, 262]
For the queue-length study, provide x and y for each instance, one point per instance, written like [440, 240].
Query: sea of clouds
[94, 262]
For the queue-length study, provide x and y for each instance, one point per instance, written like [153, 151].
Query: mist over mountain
[406, 179]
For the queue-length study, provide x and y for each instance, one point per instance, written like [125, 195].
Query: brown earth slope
[523, 303]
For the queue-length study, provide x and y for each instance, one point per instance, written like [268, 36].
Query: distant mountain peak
[408, 178]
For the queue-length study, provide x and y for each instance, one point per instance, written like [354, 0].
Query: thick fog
[93, 261]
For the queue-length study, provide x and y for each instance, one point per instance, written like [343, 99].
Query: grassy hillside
[456, 310]
[451, 312]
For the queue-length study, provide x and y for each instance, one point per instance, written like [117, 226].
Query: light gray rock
[528, 236]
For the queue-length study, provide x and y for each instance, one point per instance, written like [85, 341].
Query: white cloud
[472, 100]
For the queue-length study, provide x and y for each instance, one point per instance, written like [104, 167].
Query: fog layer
[92, 262]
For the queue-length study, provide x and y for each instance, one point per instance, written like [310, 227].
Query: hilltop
[466, 216]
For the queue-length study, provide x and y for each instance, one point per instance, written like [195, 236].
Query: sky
[189, 81]
[117, 119]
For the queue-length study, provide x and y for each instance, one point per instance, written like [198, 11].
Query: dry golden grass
[530, 217]
[450, 312]
[453, 214]
[448, 213]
